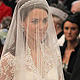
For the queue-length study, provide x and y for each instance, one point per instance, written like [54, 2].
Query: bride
[31, 51]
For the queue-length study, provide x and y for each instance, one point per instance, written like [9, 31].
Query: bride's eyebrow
[38, 18]
[34, 19]
[45, 18]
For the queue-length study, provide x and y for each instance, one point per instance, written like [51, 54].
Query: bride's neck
[33, 44]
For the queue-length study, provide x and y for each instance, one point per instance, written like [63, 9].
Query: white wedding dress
[50, 70]
[17, 62]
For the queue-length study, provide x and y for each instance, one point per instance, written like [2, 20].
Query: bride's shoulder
[7, 58]
[7, 66]
[8, 55]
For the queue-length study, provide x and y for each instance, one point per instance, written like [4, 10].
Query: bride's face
[36, 24]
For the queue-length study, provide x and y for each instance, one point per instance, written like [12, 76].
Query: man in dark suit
[76, 71]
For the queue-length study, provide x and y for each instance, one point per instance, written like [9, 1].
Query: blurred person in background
[59, 15]
[5, 23]
[52, 1]
[75, 6]
[69, 51]
[10, 3]
[4, 11]
[67, 4]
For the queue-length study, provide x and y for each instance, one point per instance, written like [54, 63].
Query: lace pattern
[7, 67]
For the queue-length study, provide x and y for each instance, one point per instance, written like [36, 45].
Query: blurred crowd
[6, 13]
[66, 18]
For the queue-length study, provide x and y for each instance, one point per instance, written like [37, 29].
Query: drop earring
[23, 29]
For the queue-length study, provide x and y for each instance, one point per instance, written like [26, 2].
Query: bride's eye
[45, 20]
[35, 21]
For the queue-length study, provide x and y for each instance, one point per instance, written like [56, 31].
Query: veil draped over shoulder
[31, 50]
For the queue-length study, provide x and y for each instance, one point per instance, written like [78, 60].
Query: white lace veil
[31, 50]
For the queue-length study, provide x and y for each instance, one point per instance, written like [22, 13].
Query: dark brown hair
[73, 18]
[25, 11]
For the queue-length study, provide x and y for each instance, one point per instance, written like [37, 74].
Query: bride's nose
[41, 25]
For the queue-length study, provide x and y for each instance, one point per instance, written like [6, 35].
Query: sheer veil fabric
[31, 50]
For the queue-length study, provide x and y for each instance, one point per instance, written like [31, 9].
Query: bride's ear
[23, 24]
